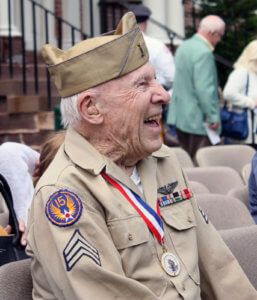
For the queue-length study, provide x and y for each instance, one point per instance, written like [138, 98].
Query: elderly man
[112, 216]
[195, 98]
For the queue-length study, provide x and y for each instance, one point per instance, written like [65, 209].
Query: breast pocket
[128, 232]
[181, 231]
[136, 247]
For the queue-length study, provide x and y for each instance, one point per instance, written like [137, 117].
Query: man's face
[216, 37]
[132, 108]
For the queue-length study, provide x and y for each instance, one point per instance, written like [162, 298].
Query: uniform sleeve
[234, 90]
[206, 89]
[78, 261]
[220, 273]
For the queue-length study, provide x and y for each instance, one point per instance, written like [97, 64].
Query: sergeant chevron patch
[77, 247]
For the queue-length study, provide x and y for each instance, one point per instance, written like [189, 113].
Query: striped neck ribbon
[151, 218]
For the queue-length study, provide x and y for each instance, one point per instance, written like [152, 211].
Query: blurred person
[159, 54]
[240, 90]
[252, 186]
[195, 98]
[112, 216]
[162, 59]
[17, 164]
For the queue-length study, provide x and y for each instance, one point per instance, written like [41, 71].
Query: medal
[170, 263]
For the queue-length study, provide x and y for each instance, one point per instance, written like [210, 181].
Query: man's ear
[88, 109]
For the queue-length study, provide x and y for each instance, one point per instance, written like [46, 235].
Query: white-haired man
[112, 216]
[195, 98]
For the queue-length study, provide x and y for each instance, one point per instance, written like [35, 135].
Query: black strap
[7, 195]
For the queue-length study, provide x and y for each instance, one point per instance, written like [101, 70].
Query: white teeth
[153, 118]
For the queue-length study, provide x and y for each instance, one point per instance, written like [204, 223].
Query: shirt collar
[209, 44]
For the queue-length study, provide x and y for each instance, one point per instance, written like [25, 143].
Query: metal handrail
[60, 22]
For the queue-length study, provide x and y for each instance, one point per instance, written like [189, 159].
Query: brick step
[18, 71]
[16, 104]
[28, 128]
[11, 86]
[32, 138]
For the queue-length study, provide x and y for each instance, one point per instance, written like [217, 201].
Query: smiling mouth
[153, 121]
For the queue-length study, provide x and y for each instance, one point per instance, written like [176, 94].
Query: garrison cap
[141, 12]
[97, 60]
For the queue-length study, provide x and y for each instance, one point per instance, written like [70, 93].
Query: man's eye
[143, 83]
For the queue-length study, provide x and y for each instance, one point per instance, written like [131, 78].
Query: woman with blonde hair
[240, 90]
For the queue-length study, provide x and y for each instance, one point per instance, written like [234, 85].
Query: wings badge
[63, 208]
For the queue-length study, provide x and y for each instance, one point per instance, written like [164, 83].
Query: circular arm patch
[63, 208]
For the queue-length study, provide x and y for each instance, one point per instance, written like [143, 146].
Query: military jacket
[105, 250]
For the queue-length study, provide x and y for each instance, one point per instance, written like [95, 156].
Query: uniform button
[189, 219]
[130, 237]
[183, 287]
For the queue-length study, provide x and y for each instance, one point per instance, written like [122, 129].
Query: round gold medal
[170, 264]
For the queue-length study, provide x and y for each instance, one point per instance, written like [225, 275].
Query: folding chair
[243, 244]
[241, 193]
[183, 157]
[245, 172]
[16, 281]
[224, 211]
[234, 156]
[218, 180]
[198, 187]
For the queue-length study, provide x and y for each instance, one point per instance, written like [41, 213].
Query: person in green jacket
[195, 98]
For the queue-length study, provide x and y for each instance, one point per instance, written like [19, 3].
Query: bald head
[212, 28]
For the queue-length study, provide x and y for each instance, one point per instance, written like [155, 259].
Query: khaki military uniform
[109, 252]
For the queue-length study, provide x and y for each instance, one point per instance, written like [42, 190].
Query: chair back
[198, 187]
[225, 212]
[243, 244]
[183, 157]
[16, 281]
[241, 193]
[218, 180]
[245, 172]
[233, 156]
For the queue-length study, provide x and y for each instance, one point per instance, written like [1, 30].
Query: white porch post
[4, 21]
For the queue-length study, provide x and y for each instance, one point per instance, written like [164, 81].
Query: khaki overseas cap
[97, 60]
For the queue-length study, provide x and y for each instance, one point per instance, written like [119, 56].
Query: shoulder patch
[63, 208]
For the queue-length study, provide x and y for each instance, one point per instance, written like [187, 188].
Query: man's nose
[160, 94]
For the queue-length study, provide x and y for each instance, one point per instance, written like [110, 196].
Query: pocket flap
[179, 215]
[128, 232]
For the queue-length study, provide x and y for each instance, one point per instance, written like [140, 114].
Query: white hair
[69, 110]
[212, 23]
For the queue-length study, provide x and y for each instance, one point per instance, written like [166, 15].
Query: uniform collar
[82, 153]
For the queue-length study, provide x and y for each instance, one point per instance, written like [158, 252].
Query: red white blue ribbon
[152, 219]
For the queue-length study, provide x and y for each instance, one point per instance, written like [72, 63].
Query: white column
[158, 9]
[71, 13]
[169, 13]
[40, 23]
[86, 17]
[4, 22]
[176, 19]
